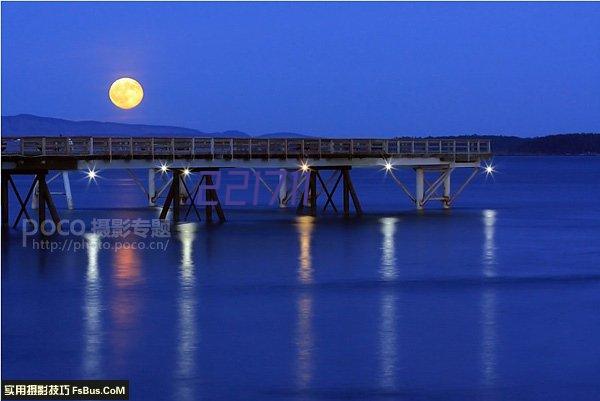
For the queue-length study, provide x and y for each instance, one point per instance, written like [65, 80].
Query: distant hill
[30, 125]
[284, 135]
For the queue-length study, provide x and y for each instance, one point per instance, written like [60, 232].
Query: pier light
[304, 167]
[186, 171]
[91, 174]
[164, 167]
[489, 169]
[387, 166]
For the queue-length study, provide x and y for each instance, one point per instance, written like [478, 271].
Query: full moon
[126, 93]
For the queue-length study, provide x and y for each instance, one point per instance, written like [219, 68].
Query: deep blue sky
[360, 69]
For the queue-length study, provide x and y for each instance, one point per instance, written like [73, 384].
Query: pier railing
[242, 148]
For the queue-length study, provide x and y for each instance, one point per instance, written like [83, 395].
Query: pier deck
[37, 155]
[198, 151]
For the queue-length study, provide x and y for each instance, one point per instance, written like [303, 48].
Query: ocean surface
[495, 299]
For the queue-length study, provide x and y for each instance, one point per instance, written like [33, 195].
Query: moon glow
[126, 93]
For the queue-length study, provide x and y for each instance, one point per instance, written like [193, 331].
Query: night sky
[339, 69]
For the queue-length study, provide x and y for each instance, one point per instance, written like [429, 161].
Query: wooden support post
[313, 192]
[176, 201]
[169, 198]
[208, 199]
[218, 207]
[4, 179]
[214, 197]
[23, 203]
[41, 203]
[48, 201]
[304, 181]
[300, 208]
[353, 194]
[346, 192]
[189, 196]
[182, 194]
[192, 197]
[329, 194]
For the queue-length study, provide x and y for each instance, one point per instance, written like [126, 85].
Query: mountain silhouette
[30, 125]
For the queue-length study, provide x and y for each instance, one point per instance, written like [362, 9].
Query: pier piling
[447, 193]
[312, 192]
[343, 174]
[4, 183]
[151, 187]
[420, 185]
[67, 186]
[45, 200]
[212, 200]
[283, 188]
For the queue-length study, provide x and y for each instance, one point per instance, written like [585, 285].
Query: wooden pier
[38, 155]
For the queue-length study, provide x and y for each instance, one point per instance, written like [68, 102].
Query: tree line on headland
[566, 144]
[29, 125]
[562, 144]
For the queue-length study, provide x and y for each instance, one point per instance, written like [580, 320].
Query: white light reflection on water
[388, 250]
[489, 302]
[187, 337]
[92, 306]
[388, 319]
[304, 305]
[489, 243]
[305, 227]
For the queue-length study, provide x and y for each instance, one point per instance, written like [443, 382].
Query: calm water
[498, 298]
